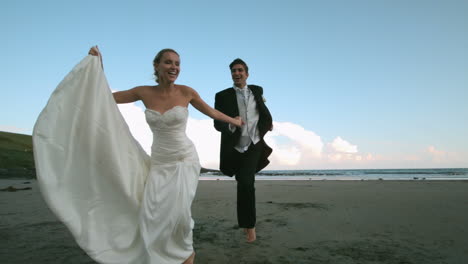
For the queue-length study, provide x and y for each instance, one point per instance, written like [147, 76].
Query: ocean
[356, 174]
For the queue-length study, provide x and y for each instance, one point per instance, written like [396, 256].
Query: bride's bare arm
[128, 96]
[203, 107]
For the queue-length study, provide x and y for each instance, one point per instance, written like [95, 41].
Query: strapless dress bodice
[170, 142]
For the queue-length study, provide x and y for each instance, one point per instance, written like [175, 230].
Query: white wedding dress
[120, 205]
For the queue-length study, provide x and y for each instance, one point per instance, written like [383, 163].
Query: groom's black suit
[226, 102]
[243, 165]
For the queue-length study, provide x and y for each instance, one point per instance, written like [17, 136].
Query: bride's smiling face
[168, 67]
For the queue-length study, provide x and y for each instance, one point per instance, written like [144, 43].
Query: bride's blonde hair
[157, 60]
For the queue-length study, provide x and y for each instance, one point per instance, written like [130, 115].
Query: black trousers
[245, 177]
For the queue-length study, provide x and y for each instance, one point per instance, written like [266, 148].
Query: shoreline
[300, 178]
[292, 178]
[437, 174]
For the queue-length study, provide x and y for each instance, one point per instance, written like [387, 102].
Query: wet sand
[401, 222]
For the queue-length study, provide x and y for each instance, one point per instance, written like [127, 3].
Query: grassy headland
[16, 156]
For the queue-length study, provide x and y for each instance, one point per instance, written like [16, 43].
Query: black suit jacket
[226, 102]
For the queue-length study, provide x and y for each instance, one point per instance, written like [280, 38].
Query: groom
[243, 150]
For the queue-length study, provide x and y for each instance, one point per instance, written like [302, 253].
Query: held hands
[238, 122]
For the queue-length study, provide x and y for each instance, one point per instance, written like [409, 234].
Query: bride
[120, 205]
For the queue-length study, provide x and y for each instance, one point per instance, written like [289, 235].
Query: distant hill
[16, 156]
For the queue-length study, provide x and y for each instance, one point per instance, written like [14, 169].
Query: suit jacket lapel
[233, 98]
[258, 98]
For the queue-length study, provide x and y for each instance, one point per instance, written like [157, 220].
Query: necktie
[246, 96]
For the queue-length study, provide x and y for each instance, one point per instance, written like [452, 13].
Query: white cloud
[135, 118]
[435, 153]
[292, 145]
[298, 135]
[206, 140]
[342, 146]
[442, 157]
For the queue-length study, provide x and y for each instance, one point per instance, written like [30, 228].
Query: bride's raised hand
[94, 51]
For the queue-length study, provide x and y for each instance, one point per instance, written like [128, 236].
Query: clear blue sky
[390, 77]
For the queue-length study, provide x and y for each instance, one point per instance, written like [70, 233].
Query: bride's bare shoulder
[144, 87]
[186, 90]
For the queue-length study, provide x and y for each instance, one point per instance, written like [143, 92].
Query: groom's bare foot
[190, 259]
[251, 235]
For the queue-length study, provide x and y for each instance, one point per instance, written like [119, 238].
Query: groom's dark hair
[241, 62]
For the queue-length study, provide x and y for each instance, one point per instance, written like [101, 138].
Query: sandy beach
[401, 222]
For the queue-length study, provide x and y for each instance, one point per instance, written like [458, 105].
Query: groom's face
[239, 75]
